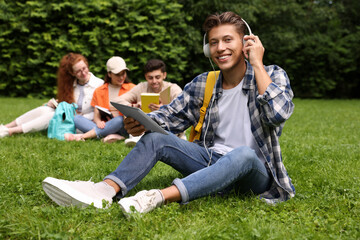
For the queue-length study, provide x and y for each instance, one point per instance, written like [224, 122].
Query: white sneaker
[143, 202]
[4, 131]
[77, 193]
[131, 141]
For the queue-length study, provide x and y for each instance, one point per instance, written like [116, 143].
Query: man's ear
[109, 74]
[164, 75]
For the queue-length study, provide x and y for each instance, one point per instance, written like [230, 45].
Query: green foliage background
[36, 34]
[316, 42]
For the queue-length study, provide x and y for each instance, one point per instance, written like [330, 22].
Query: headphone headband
[206, 47]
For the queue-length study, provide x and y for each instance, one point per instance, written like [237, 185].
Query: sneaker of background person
[79, 193]
[143, 202]
[4, 131]
[131, 141]
[112, 138]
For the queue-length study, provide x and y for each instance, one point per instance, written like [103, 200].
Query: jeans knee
[118, 120]
[155, 136]
[77, 118]
[158, 139]
[243, 156]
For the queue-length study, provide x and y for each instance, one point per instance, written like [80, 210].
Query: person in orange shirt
[109, 127]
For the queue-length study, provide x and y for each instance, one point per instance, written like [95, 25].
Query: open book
[156, 98]
[147, 98]
[105, 114]
[165, 97]
[53, 101]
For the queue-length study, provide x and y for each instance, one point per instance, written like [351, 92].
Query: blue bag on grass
[62, 121]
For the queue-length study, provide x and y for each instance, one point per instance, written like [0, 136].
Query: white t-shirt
[87, 110]
[234, 128]
[113, 92]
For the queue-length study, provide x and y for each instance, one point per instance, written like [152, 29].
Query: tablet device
[140, 116]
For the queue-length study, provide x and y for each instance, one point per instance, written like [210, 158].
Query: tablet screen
[139, 116]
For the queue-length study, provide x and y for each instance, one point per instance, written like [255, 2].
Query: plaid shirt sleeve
[276, 102]
[183, 111]
[268, 114]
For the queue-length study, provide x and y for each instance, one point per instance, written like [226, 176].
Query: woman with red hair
[109, 129]
[75, 84]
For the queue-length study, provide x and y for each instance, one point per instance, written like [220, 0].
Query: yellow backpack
[210, 82]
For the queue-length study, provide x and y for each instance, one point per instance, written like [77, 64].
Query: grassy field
[321, 151]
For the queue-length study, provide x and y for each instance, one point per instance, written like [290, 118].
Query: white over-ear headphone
[206, 47]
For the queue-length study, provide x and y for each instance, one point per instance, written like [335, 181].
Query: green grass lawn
[321, 151]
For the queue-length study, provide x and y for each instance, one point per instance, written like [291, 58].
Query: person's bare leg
[89, 134]
[171, 194]
[11, 125]
[17, 129]
[113, 184]
[80, 137]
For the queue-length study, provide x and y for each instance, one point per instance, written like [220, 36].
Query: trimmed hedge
[34, 35]
[316, 42]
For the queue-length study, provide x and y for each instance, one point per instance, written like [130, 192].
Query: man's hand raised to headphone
[253, 50]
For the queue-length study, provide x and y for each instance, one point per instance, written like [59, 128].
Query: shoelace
[89, 181]
[147, 200]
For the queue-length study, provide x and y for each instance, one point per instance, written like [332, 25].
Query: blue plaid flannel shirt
[268, 112]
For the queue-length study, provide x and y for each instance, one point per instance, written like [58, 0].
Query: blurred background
[316, 42]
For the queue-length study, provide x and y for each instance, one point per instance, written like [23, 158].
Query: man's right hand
[133, 127]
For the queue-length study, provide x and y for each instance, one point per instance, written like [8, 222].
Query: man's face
[226, 46]
[81, 71]
[155, 79]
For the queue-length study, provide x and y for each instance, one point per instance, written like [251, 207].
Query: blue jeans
[114, 125]
[240, 169]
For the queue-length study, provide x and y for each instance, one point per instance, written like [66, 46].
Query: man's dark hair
[217, 19]
[154, 64]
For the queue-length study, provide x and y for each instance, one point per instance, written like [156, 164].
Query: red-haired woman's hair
[66, 76]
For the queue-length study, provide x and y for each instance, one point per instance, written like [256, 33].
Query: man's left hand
[154, 107]
[254, 50]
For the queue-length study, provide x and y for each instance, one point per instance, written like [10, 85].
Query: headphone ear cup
[206, 50]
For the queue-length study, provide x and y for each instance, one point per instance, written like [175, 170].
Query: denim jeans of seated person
[114, 125]
[240, 168]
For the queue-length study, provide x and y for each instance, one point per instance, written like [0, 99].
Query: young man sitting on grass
[155, 75]
[238, 148]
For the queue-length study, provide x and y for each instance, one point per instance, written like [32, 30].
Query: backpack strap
[210, 83]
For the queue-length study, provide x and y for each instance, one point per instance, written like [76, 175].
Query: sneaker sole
[66, 197]
[128, 214]
[125, 213]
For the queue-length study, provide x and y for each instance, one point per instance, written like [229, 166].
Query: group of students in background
[76, 84]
